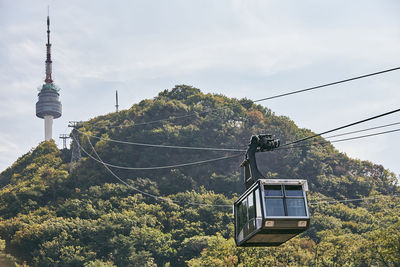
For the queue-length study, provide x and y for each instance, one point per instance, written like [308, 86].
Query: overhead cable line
[339, 140]
[162, 167]
[363, 130]
[284, 146]
[328, 84]
[363, 136]
[266, 98]
[215, 148]
[341, 127]
[164, 146]
[226, 157]
[350, 200]
[143, 192]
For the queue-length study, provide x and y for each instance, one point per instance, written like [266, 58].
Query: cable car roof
[286, 182]
[301, 182]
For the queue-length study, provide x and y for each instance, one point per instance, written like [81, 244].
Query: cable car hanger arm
[258, 143]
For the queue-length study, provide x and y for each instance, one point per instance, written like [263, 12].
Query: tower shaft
[48, 127]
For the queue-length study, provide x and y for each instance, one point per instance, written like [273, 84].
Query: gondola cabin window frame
[249, 212]
[284, 201]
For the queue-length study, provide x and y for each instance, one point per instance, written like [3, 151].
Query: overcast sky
[241, 48]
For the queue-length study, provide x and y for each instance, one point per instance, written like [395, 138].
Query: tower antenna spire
[48, 79]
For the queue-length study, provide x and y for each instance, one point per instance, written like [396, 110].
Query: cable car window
[242, 214]
[239, 217]
[293, 190]
[252, 210]
[258, 203]
[295, 207]
[273, 191]
[274, 207]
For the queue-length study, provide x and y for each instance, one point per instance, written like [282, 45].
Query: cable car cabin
[271, 212]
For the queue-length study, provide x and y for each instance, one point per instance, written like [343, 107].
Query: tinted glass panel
[239, 218]
[274, 207]
[242, 215]
[294, 190]
[246, 230]
[273, 190]
[295, 207]
[244, 208]
[252, 208]
[258, 202]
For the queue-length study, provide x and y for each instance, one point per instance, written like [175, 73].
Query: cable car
[270, 211]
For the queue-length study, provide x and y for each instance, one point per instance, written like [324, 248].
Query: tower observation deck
[48, 106]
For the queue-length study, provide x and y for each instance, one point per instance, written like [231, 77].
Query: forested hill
[51, 216]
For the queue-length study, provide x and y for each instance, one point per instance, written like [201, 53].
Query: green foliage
[223, 252]
[49, 217]
[6, 260]
[383, 245]
[99, 263]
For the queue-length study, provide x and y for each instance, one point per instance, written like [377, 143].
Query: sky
[239, 48]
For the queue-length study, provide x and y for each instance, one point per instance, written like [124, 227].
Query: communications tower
[48, 106]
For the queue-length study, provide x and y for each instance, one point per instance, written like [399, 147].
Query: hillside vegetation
[50, 216]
